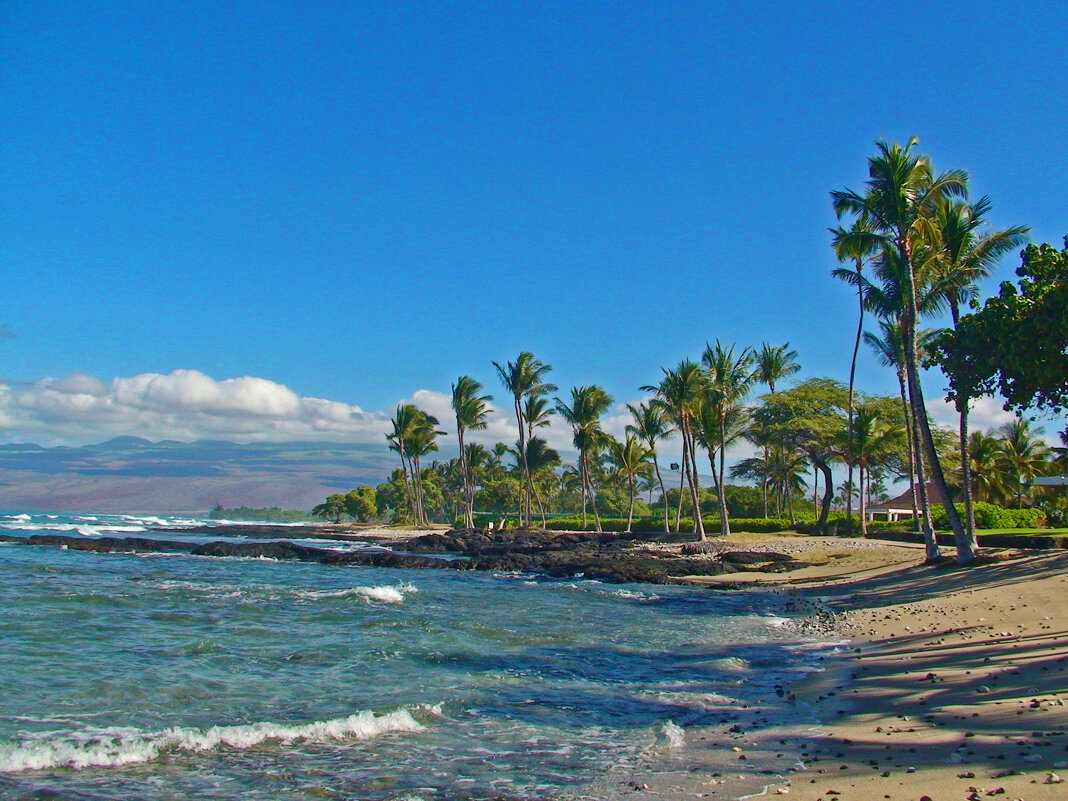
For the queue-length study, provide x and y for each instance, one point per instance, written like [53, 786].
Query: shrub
[988, 515]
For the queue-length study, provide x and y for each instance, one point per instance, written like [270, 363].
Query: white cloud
[184, 404]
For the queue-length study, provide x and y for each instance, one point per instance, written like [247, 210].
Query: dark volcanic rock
[606, 557]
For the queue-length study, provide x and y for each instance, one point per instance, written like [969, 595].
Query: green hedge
[987, 515]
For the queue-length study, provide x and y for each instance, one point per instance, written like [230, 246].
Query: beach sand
[953, 685]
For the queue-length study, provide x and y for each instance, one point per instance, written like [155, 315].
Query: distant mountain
[130, 474]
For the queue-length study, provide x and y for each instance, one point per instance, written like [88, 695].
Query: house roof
[904, 500]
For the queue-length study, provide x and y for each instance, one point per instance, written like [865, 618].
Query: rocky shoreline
[614, 558]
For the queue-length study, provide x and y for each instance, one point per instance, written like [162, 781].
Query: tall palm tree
[680, 394]
[772, 364]
[629, 457]
[889, 349]
[471, 411]
[524, 378]
[966, 257]
[730, 379]
[853, 245]
[588, 405]
[404, 422]
[414, 436]
[899, 207]
[651, 425]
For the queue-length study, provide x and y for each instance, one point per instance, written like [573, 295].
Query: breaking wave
[125, 746]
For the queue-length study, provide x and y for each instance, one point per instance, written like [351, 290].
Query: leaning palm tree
[899, 208]
[965, 257]
[404, 422]
[651, 425]
[472, 411]
[680, 394]
[629, 458]
[583, 414]
[524, 378]
[730, 379]
[540, 459]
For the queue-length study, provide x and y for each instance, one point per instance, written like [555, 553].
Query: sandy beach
[953, 684]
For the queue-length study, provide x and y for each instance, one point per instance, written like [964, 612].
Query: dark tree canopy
[1017, 343]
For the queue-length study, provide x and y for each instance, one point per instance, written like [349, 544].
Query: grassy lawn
[1025, 532]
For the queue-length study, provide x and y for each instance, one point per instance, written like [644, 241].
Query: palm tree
[414, 436]
[1023, 455]
[404, 422]
[899, 207]
[967, 257]
[989, 482]
[853, 245]
[679, 392]
[651, 425]
[868, 445]
[730, 379]
[629, 458]
[524, 378]
[540, 459]
[471, 411]
[588, 405]
[774, 363]
[889, 349]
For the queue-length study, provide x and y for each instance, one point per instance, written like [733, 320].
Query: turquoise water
[172, 677]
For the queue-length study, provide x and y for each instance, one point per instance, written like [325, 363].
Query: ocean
[168, 676]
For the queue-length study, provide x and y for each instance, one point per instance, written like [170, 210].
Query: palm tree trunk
[630, 512]
[828, 494]
[695, 492]
[863, 504]
[724, 515]
[968, 544]
[524, 495]
[663, 492]
[682, 481]
[852, 378]
[923, 425]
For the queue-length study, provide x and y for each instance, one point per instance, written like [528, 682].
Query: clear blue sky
[359, 200]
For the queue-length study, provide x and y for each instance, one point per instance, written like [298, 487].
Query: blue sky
[355, 202]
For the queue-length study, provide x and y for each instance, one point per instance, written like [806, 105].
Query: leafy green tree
[333, 508]
[1017, 343]
[360, 504]
[414, 436]
[472, 411]
[810, 418]
[965, 257]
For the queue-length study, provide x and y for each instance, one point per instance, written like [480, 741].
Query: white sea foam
[383, 593]
[124, 746]
[673, 734]
[632, 595]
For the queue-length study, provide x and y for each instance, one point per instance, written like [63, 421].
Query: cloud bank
[183, 405]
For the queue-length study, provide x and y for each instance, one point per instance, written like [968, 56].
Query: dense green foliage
[1017, 343]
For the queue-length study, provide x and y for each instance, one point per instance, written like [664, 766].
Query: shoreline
[954, 684]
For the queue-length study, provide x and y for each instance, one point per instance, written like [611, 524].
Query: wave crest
[124, 746]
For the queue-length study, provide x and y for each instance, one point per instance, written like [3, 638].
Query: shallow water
[170, 676]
